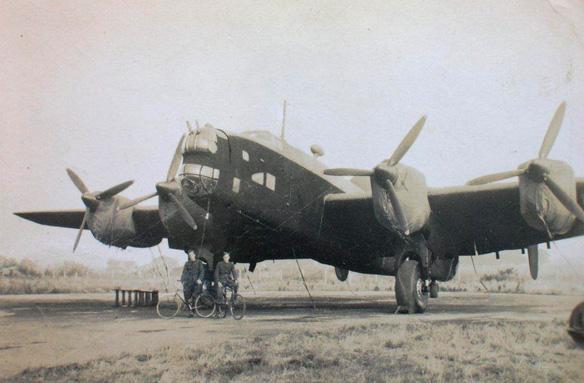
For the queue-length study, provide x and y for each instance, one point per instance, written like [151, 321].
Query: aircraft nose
[203, 140]
[199, 180]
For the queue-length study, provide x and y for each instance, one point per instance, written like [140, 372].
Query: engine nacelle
[117, 228]
[412, 192]
[539, 207]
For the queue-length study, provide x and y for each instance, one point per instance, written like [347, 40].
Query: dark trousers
[190, 288]
[229, 282]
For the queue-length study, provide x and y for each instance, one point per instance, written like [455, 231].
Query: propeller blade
[401, 218]
[565, 199]
[90, 201]
[136, 201]
[109, 193]
[81, 229]
[407, 142]
[533, 257]
[496, 177]
[176, 160]
[184, 213]
[552, 132]
[348, 172]
[77, 181]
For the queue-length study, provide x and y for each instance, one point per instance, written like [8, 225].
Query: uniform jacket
[225, 271]
[192, 271]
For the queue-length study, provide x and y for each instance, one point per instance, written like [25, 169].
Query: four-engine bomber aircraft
[257, 197]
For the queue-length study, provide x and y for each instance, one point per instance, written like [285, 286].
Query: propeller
[386, 171]
[533, 257]
[537, 170]
[169, 188]
[176, 159]
[92, 200]
[173, 168]
[402, 222]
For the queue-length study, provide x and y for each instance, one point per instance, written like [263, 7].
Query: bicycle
[207, 304]
[169, 304]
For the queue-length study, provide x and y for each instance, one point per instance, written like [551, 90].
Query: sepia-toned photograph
[292, 191]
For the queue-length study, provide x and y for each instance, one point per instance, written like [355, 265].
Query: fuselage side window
[245, 155]
[270, 181]
[258, 178]
[236, 182]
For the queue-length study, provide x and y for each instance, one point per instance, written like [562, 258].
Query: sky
[106, 87]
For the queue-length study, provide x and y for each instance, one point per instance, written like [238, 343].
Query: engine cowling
[115, 227]
[539, 206]
[411, 190]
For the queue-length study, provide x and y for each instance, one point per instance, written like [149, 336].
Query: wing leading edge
[464, 219]
[61, 218]
[145, 217]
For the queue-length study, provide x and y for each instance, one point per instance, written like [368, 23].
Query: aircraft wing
[61, 218]
[484, 219]
[463, 218]
[145, 217]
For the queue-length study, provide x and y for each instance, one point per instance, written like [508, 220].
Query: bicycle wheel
[205, 305]
[237, 306]
[168, 306]
[221, 311]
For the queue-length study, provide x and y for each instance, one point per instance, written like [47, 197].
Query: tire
[168, 306]
[221, 311]
[408, 288]
[205, 305]
[434, 288]
[237, 306]
[576, 329]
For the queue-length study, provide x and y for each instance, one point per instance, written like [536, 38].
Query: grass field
[419, 351]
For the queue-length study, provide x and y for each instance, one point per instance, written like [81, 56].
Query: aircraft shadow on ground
[293, 309]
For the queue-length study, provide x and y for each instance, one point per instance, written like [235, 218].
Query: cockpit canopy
[198, 180]
[197, 176]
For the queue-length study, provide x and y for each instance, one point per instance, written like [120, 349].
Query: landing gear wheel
[410, 288]
[576, 329]
[434, 288]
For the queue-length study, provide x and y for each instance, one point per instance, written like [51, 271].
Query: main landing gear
[434, 288]
[411, 291]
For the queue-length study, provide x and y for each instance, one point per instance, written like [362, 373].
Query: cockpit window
[198, 180]
[200, 170]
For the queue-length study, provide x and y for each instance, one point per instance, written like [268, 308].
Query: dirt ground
[52, 330]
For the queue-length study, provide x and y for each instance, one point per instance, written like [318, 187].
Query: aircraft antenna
[283, 131]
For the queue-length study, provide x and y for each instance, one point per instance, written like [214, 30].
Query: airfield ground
[469, 336]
